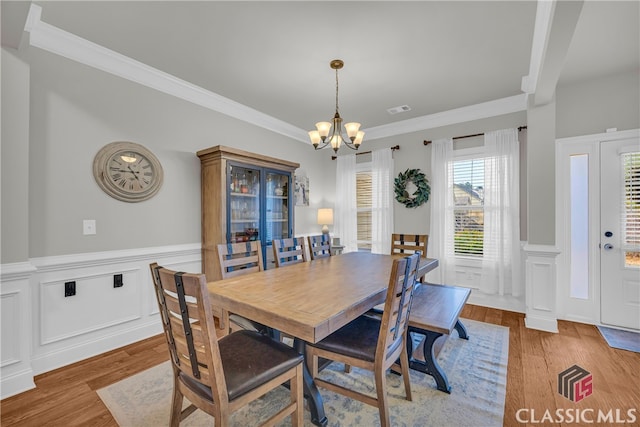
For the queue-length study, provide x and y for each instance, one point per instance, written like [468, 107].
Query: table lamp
[325, 217]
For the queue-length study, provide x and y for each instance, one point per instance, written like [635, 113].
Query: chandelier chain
[337, 110]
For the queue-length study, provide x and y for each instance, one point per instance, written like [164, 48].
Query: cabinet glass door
[277, 210]
[244, 204]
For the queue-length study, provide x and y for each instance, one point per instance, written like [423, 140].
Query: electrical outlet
[69, 289]
[117, 281]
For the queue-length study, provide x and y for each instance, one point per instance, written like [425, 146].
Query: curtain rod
[394, 148]
[520, 129]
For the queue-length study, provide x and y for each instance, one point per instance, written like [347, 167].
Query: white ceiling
[274, 57]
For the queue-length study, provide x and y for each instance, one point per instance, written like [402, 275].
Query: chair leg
[312, 365]
[381, 391]
[176, 407]
[297, 418]
[404, 367]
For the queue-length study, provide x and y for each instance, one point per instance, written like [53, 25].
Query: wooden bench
[435, 314]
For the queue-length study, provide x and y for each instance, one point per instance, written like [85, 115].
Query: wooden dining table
[311, 300]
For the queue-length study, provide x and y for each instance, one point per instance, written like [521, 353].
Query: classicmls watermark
[576, 384]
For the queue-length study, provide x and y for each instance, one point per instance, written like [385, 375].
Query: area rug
[624, 340]
[476, 369]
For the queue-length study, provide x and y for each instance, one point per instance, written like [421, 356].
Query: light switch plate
[88, 226]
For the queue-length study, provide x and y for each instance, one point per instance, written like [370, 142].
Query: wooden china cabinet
[245, 197]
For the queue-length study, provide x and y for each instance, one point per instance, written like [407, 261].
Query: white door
[620, 233]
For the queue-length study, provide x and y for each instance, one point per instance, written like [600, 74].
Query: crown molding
[483, 110]
[70, 46]
[63, 43]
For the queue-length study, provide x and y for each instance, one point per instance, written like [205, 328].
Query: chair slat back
[240, 258]
[289, 251]
[166, 325]
[397, 307]
[319, 246]
[409, 244]
[183, 300]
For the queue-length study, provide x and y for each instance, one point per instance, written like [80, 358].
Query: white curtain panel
[346, 211]
[381, 201]
[501, 246]
[441, 227]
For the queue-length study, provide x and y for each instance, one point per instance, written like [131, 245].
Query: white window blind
[468, 200]
[631, 207]
[363, 202]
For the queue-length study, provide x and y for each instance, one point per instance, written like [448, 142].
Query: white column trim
[540, 287]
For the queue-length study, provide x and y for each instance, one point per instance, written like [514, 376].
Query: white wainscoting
[540, 287]
[43, 330]
[468, 273]
[16, 372]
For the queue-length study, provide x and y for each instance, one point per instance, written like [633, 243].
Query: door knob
[608, 247]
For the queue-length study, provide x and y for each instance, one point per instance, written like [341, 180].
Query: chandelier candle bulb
[352, 130]
[323, 129]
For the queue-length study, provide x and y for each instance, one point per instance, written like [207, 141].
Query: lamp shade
[325, 216]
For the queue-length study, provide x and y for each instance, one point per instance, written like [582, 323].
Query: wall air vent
[400, 109]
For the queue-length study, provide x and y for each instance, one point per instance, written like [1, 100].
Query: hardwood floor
[67, 396]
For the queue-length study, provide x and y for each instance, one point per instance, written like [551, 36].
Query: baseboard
[72, 354]
[16, 383]
[541, 323]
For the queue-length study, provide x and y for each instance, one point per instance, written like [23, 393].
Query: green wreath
[420, 196]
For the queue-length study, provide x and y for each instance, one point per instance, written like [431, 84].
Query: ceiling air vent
[400, 109]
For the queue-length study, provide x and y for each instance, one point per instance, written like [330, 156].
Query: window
[468, 206]
[363, 203]
[579, 229]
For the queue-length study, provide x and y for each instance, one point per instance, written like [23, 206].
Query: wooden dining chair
[220, 317]
[236, 259]
[409, 244]
[289, 251]
[220, 376]
[373, 344]
[319, 246]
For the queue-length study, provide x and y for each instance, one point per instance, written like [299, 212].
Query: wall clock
[127, 171]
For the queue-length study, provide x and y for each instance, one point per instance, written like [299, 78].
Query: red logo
[575, 383]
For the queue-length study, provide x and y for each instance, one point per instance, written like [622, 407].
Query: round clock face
[127, 171]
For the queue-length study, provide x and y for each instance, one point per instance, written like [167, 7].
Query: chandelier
[320, 137]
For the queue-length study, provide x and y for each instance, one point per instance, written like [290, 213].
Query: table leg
[311, 393]
[462, 331]
[430, 365]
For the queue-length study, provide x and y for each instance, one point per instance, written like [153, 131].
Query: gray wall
[593, 106]
[63, 113]
[584, 108]
[541, 174]
[413, 154]
[15, 158]
[75, 110]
